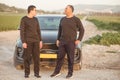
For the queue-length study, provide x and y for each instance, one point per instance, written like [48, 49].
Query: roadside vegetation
[110, 23]
[105, 39]
[80, 16]
[106, 22]
[10, 16]
[9, 21]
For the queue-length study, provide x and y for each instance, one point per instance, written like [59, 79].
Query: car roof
[50, 15]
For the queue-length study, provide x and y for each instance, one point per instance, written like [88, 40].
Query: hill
[5, 8]
[84, 8]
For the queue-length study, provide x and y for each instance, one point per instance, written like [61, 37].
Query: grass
[106, 39]
[80, 16]
[110, 23]
[106, 22]
[106, 18]
[9, 21]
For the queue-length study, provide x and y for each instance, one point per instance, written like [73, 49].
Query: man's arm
[22, 33]
[59, 34]
[22, 30]
[39, 33]
[59, 30]
[38, 30]
[80, 29]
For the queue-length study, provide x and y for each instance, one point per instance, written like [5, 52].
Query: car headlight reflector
[19, 49]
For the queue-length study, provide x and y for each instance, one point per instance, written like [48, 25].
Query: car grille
[50, 46]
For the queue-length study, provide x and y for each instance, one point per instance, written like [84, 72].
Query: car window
[49, 23]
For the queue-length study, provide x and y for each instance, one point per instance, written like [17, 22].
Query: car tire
[77, 66]
[78, 59]
[77, 56]
[16, 64]
[19, 67]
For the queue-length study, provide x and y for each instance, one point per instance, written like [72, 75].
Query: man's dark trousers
[32, 50]
[69, 48]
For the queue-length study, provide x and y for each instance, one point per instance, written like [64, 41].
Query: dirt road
[98, 64]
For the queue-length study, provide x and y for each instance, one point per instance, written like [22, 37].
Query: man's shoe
[55, 74]
[69, 76]
[26, 76]
[38, 76]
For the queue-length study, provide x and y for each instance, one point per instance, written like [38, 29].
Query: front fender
[79, 45]
[19, 43]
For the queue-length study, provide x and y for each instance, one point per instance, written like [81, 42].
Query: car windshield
[49, 22]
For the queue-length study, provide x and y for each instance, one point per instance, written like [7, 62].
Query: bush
[94, 40]
[106, 25]
[106, 39]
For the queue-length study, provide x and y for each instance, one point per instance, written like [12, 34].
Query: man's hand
[57, 43]
[24, 45]
[41, 44]
[77, 42]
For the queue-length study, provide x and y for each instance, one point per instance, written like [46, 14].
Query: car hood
[49, 36]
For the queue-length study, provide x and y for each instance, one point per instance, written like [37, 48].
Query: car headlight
[19, 49]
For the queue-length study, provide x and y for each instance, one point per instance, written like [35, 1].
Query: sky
[50, 5]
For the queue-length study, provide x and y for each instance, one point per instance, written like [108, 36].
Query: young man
[66, 40]
[31, 40]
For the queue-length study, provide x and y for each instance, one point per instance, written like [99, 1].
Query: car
[49, 25]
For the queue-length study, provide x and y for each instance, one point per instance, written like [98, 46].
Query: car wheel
[78, 59]
[16, 64]
[19, 67]
[77, 66]
[77, 56]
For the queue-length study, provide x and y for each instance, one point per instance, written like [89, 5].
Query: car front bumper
[48, 54]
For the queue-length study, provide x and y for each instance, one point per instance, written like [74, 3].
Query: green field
[111, 23]
[9, 21]
[105, 39]
[106, 22]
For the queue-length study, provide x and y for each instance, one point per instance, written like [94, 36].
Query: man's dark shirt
[68, 29]
[30, 30]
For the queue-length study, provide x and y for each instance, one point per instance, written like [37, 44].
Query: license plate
[50, 56]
